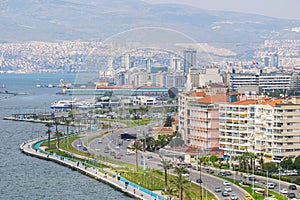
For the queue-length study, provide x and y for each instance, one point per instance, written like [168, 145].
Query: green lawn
[151, 179]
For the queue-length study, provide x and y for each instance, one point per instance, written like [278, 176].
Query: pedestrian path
[32, 148]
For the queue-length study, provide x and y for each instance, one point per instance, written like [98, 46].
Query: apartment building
[264, 82]
[267, 126]
[199, 120]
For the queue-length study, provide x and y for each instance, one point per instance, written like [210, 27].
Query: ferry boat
[63, 104]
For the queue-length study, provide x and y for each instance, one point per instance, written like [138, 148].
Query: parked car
[221, 174]
[292, 187]
[228, 173]
[218, 189]
[99, 141]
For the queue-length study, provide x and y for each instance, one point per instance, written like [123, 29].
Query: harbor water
[25, 177]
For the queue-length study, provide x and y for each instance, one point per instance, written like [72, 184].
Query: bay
[25, 177]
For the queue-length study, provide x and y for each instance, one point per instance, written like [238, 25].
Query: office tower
[148, 65]
[174, 64]
[190, 57]
[275, 60]
[266, 61]
[125, 61]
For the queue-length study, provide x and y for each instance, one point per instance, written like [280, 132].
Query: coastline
[129, 190]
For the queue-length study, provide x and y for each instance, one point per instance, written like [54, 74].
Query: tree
[137, 146]
[287, 163]
[180, 179]
[166, 165]
[213, 159]
[56, 123]
[297, 163]
[260, 156]
[48, 125]
[271, 167]
[161, 141]
[168, 122]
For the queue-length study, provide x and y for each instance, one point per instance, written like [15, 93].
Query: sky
[287, 9]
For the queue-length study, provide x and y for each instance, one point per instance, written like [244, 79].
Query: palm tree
[137, 146]
[252, 157]
[261, 159]
[48, 133]
[180, 179]
[166, 165]
[56, 123]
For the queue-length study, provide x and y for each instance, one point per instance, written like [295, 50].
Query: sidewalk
[130, 189]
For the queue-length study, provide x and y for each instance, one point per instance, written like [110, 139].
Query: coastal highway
[97, 147]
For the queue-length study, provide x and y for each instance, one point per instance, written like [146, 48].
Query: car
[283, 191]
[291, 195]
[233, 197]
[226, 183]
[127, 139]
[221, 174]
[218, 189]
[186, 174]
[227, 189]
[228, 173]
[199, 180]
[270, 185]
[149, 157]
[112, 153]
[117, 147]
[225, 194]
[78, 145]
[251, 178]
[292, 187]
[210, 171]
[99, 141]
[84, 148]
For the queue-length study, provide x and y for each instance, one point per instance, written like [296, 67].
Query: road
[97, 147]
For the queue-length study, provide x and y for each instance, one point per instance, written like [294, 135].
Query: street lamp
[197, 161]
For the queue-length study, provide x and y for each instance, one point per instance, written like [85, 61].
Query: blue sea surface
[25, 177]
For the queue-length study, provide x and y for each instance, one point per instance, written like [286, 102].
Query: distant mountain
[52, 20]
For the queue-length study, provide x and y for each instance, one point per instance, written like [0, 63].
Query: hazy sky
[289, 9]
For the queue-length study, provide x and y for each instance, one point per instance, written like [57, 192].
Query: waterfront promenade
[129, 189]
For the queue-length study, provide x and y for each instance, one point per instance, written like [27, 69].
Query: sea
[26, 177]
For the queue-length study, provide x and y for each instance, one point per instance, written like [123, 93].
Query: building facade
[261, 126]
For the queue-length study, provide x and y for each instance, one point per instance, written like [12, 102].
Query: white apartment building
[267, 126]
[266, 82]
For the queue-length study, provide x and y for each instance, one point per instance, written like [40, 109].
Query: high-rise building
[125, 61]
[190, 59]
[175, 64]
[275, 60]
[266, 61]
